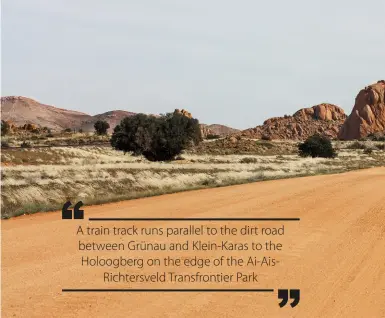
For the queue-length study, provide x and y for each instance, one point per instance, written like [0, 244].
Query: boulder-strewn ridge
[325, 119]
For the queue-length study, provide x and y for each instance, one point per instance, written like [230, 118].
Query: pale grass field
[43, 179]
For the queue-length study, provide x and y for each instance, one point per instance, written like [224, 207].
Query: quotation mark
[66, 213]
[284, 295]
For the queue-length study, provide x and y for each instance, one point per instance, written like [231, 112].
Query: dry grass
[43, 179]
[55, 139]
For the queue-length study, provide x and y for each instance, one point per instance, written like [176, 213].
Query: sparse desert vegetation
[42, 179]
[55, 139]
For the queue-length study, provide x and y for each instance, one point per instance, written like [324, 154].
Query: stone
[368, 114]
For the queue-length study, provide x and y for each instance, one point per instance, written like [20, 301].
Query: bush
[356, 145]
[380, 146]
[377, 136]
[248, 160]
[317, 146]
[265, 143]
[26, 144]
[368, 151]
[101, 127]
[156, 138]
[4, 144]
[67, 130]
[4, 128]
[212, 136]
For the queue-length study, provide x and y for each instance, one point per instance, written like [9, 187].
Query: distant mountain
[216, 129]
[112, 117]
[22, 110]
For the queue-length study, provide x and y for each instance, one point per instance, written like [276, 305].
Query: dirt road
[335, 255]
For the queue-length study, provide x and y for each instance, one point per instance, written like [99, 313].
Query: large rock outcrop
[325, 119]
[368, 115]
[207, 130]
[183, 112]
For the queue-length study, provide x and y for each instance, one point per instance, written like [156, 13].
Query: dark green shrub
[101, 127]
[380, 146]
[26, 144]
[265, 144]
[248, 160]
[356, 145]
[317, 146]
[377, 136]
[4, 144]
[212, 136]
[156, 138]
[67, 130]
[4, 128]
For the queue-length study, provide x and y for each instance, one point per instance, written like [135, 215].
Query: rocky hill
[112, 117]
[218, 130]
[368, 114]
[19, 111]
[325, 119]
[22, 110]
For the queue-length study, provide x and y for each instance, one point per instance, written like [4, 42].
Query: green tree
[4, 128]
[156, 138]
[317, 146]
[101, 127]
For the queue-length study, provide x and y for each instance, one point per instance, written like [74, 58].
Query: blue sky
[230, 62]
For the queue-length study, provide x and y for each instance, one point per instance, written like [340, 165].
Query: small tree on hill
[101, 127]
[4, 128]
[317, 146]
[156, 138]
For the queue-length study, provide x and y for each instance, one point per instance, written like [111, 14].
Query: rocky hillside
[368, 114]
[218, 130]
[22, 110]
[19, 111]
[112, 117]
[325, 119]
